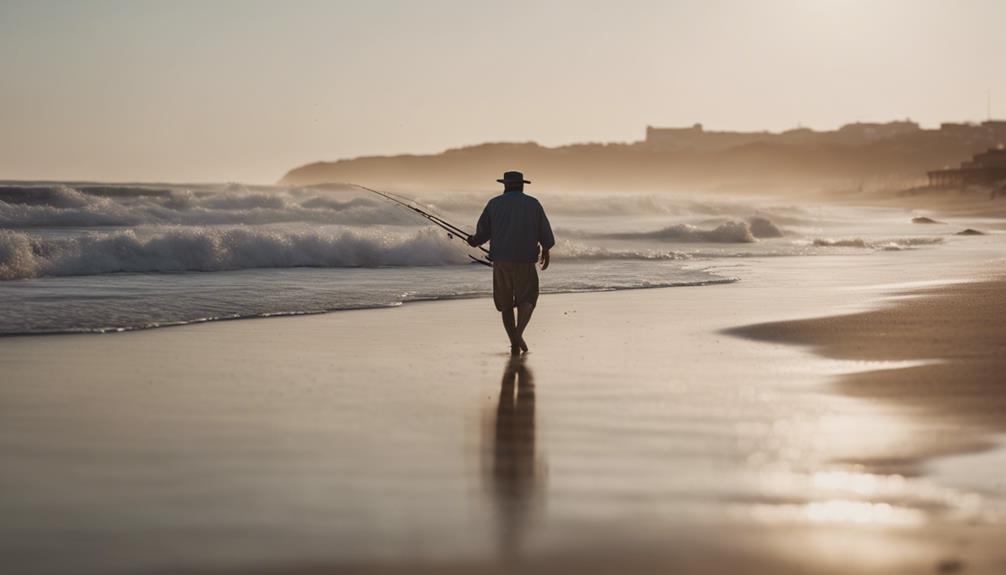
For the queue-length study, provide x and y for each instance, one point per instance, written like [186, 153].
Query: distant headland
[894, 153]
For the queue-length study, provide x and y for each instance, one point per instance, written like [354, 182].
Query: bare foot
[523, 345]
[515, 350]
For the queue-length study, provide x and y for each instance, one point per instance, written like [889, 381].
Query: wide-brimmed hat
[513, 178]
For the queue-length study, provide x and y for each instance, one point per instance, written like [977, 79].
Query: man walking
[515, 225]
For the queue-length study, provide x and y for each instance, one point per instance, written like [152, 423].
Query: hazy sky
[244, 90]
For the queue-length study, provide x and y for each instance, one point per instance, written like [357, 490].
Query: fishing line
[452, 230]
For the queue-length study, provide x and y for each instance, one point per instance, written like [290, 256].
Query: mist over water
[100, 257]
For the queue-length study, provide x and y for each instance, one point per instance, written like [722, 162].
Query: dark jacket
[515, 224]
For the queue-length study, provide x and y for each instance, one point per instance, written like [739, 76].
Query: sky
[242, 91]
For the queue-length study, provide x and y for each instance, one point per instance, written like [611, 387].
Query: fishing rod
[452, 230]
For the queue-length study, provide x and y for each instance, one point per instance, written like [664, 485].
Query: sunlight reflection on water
[854, 496]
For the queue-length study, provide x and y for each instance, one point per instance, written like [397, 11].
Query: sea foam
[61, 206]
[896, 244]
[207, 249]
[25, 255]
[88, 204]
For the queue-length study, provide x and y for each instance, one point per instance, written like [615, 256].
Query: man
[515, 225]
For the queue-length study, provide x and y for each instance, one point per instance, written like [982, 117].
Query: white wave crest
[51, 205]
[886, 245]
[59, 205]
[25, 255]
[731, 232]
[567, 250]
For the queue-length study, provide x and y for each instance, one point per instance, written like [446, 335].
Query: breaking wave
[61, 206]
[730, 232]
[187, 249]
[42, 204]
[886, 245]
[567, 250]
[762, 227]
[25, 255]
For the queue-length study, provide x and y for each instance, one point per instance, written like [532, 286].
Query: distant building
[674, 136]
[876, 131]
[957, 127]
[987, 168]
[695, 137]
[995, 130]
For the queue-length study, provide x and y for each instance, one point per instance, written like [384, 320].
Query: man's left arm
[545, 238]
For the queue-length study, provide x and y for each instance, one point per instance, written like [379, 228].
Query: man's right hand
[469, 240]
[544, 260]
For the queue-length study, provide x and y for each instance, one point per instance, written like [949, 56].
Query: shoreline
[448, 298]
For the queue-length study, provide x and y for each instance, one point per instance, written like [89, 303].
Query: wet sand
[636, 437]
[955, 334]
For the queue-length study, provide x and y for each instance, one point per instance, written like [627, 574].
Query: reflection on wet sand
[514, 465]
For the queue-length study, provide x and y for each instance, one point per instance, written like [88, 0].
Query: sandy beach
[253, 256]
[640, 433]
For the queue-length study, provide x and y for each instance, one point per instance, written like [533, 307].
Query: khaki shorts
[514, 283]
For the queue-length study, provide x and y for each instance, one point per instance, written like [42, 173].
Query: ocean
[99, 257]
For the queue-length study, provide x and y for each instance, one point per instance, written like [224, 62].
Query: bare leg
[524, 312]
[511, 329]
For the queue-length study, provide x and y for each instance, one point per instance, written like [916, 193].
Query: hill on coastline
[856, 153]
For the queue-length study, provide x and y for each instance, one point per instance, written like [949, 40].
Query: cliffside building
[695, 137]
[987, 168]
